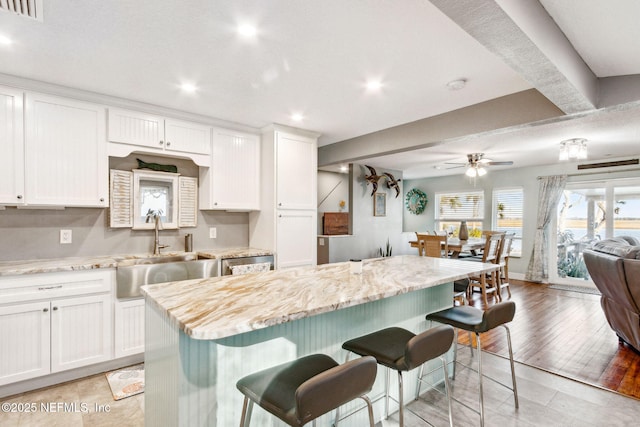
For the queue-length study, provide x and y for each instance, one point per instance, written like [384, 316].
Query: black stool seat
[473, 319]
[300, 391]
[402, 350]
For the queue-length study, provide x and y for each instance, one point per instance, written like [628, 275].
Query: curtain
[551, 188]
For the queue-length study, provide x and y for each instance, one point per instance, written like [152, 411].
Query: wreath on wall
[416, 201]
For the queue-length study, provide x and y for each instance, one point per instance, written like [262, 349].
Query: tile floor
[545, 400]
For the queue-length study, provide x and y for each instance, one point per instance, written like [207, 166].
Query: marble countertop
[11, 268]
[219, 307]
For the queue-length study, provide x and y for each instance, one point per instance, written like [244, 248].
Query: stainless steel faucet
[156, 242]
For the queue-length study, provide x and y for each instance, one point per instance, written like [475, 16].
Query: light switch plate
[212, 233]
[65, 237]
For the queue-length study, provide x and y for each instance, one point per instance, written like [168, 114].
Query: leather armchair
[614, 266]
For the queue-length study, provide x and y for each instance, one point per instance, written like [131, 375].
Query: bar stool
[477, 321]
[302, 390]
[402, 350]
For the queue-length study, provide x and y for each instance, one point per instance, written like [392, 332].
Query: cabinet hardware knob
[19, 196]
[55, 308]
[161, 142]
[279, 204]
[168, 143]
[102, 199]
[215, 203]
[45, 310]
[280, 216]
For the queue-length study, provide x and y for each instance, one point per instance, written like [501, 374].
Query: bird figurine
[392, 183]
[373, 179]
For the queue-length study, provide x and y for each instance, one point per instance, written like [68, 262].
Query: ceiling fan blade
[507, 163]
[460, 165]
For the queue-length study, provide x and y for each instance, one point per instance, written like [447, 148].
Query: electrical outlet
[212, 233]
[65, 237]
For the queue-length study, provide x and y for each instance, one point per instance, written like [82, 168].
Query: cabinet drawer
[31, 287]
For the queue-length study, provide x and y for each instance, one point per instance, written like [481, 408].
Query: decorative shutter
[188, 201]
[120, 199]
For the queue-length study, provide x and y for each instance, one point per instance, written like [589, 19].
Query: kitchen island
[203, 335]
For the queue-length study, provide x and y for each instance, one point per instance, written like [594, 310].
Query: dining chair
[433, 246]
[488, 283]
[503, 260]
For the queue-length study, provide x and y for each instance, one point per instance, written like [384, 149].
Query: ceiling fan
[476, 164]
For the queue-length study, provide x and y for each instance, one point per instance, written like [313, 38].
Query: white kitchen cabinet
[129, 327]
[296, 171]
[296, 233]
[11, 135]
[66, 162]
[25, 336]
[232, 181]
[286, 222]
[52, 322]
[130, 131]
[81, 331]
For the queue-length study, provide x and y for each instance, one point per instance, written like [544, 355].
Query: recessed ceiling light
[344, 168]
[374, 85]
[188, 87]
[4, 40]
[297, 117]
[247, 30]
[457, 84]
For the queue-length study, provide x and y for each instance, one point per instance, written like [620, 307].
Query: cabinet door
[81, 331]
[187, 137]
[24, 338]
[12, 143]
[129, 324]
[296, 172]
[296, 238]
[132, 127]
[65, 153]
[233, 180]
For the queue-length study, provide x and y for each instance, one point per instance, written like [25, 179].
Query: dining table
[457, 246]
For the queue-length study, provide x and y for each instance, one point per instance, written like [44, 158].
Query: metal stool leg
[513, 371]
[247, 408]
[400, 399]
[447, 388]
[479, 346]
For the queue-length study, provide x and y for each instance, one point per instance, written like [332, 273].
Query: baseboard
[70, 375]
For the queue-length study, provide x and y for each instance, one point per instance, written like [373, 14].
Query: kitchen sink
[134, 273]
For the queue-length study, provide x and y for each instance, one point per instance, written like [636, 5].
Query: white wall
[517, 177]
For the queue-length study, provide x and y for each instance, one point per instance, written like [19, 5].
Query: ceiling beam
[525, 37]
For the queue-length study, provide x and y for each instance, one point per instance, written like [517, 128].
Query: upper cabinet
[130, 131]
[12, 142]
[66, 163]
[296, 171]
[232, 180]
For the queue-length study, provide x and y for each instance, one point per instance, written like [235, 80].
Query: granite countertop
[11, 268]
[219, 307]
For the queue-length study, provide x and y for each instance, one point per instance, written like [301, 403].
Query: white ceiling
[314, 57]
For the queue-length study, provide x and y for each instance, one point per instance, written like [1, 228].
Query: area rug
[126, 382]
[572, 288]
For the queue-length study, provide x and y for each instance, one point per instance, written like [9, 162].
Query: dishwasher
[243, 265]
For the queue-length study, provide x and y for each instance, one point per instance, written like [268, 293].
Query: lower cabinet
[51, 336]
[129, 327]
[295, 238]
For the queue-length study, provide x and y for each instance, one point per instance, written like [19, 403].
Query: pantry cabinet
[232, 180]
[66, 162]
[53, 322]
[130, 131]
[287, 221]
[11, 135]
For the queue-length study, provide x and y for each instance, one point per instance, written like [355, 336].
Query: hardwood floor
[565, 333]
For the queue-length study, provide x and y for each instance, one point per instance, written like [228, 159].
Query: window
[507, 215]
[590, 211]
[451, 208]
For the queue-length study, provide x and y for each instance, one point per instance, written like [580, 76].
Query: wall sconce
[573, 149]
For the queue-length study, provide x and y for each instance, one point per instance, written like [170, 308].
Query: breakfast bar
[203, 335]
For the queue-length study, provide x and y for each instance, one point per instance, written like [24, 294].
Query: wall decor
[373, 179]
[416, 201]
[379, 204]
